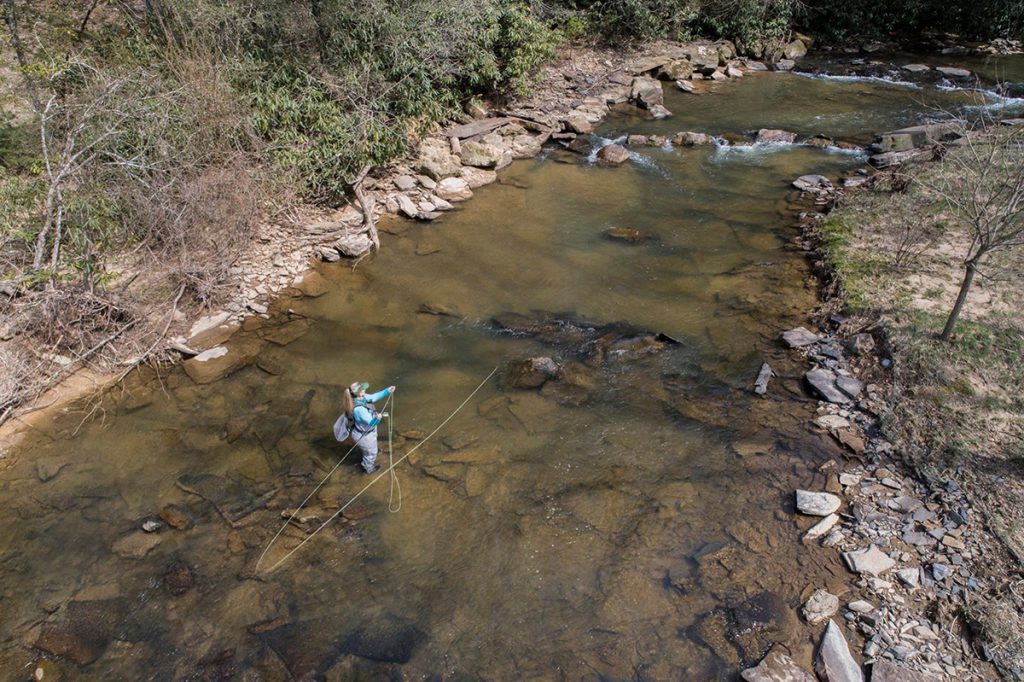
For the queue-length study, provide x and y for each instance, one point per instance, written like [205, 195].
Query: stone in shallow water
[824, 382]
[953, 72]
[816, 504]
[820, 606]
[777, 667]
[774, 135]
[812, 183]
[822, 527]
[613, 155]
[135, 545]
[799, 337]
[835, 663]
[84, 631]
[870, 560]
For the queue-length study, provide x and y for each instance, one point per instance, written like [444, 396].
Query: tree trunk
[11, 19]
[954, 314]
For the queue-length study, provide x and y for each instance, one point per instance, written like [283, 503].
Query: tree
[982, 183]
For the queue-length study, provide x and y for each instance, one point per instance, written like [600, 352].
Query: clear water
[542, 534]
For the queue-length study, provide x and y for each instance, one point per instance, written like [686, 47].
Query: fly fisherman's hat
[358, 387]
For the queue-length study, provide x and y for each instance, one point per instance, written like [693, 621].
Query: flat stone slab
[870, 560]
[799, 337]
[816, 504]
[135, 545]
[953, 71]
[821, 528]
[885, 670]
[916, 68]
[849, 385]
[835, 663]
[832, 421]
[823, 381]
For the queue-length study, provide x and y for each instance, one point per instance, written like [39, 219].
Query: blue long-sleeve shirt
[366, 417]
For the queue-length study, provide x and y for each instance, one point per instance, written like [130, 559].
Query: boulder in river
[816, 504]
[646, 92]
[765, 135]
[532, 372]
[953, 71]
[794, 50]
[777, 667]
[613, 155]
[691, 139]
[835, 662]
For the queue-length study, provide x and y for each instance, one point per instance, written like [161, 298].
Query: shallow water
[601, 532]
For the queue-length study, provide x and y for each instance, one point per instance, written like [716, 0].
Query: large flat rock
[816, 504]
[835, 662]
[870, 560]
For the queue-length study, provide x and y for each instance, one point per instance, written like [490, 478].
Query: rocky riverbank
[923, 555]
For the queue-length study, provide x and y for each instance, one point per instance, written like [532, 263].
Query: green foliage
[869, 19]
[749, 22]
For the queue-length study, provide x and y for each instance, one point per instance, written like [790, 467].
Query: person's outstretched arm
[374, 397]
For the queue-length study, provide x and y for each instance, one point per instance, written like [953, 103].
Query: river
[635, 521]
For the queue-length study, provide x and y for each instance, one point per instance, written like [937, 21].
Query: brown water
[628, 528]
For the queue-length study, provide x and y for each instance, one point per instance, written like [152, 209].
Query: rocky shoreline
[919, 550]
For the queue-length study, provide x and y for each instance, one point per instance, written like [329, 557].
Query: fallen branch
[369, 224]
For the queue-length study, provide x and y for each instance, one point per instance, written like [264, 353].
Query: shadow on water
[632, 519]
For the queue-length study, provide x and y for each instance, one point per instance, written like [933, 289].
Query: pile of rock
[909, 543]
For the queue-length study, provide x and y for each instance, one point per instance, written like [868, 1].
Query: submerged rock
[532, 373]
[624, 234]
[84, 631]
[175, 517]
[135, 545]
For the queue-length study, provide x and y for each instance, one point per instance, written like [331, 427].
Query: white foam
[860, 79]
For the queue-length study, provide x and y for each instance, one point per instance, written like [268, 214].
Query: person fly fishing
[360, 420]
